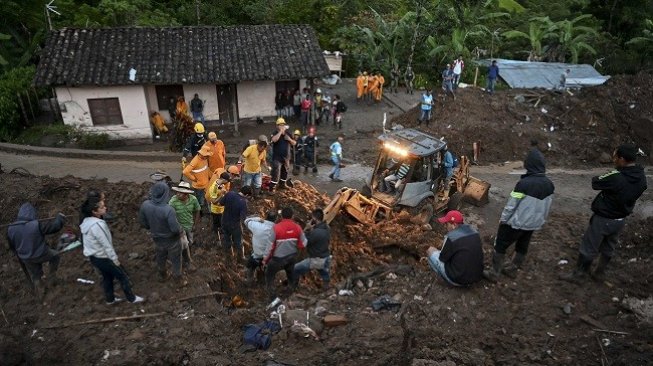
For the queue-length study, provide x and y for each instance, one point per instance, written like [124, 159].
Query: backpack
[260, 335]
[341, 107]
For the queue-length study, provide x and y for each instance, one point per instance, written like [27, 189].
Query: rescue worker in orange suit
[219, 157]
[360, 86]
[379, 91]
[197, 171]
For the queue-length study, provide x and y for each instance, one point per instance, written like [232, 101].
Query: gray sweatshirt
[97, 239]
[157, 216]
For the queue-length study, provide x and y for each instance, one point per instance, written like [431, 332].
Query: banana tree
[646, 39]
[573, 38]
[538, 32]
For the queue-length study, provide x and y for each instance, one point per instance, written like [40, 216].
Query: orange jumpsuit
[360, 87]
[159, 123]
[373, 86]
[379, 92]
[197, 171]
[219, 157]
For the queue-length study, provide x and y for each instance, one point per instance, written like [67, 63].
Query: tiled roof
[180, 55]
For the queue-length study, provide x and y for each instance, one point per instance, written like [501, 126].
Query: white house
[112, 79]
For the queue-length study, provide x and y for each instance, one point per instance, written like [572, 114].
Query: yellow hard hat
[297, 132]
[199, 128]
[281, 121]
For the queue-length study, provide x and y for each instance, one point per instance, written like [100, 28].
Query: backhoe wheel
[423, 212]
[455, 201]
[366, 191]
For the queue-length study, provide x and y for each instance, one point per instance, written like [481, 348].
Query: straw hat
[183, 187]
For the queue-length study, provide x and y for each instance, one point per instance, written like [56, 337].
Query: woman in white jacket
[98, 248]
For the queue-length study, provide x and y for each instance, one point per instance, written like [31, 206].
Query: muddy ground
[532, 320]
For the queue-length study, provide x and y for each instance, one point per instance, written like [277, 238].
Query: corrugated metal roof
[527, 75]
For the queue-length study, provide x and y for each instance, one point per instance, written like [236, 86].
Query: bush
[61, 135]
[11, 83]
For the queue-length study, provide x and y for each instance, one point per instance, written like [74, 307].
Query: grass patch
[60, 135]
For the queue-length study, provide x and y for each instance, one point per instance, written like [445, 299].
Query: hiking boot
[116, 300]
[492, 274]
[331, 176]
[599, 271]
[580, 274]
[511, 269]
[137, 300]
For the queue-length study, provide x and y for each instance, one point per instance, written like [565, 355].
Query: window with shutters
[105, 111]
[165, 92]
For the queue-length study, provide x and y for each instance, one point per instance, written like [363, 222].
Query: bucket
[477, 192]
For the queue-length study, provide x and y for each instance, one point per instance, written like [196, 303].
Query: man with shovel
[26, 238]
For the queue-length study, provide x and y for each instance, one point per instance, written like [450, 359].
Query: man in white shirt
[262, 238]
[458, 66]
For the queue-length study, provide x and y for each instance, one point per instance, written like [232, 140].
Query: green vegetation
[615, 36]
[60, 135]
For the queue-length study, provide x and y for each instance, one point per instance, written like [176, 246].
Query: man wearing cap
[619, 191]
[187, 209]
[460, 262]
[197, 108]
[235, 212]
[197, 171]
[216, 190]
[253, 157]
[525, 212]
[281, 141]
[219, 157]
[195, 142]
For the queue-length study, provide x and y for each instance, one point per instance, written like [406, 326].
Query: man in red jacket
[288, 239]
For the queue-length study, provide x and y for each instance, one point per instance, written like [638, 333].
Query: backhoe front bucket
[476, 191]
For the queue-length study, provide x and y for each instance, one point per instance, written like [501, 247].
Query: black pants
[254, 263]
[601, 237]
[35, 265]
[275, 265]
[217, 222]
[110, 272]
[279, 173]
[506, 236]
[232, 236]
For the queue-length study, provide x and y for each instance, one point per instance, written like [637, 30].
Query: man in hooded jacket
[619, 190]
[526, 211]
[26, 238]
[160, 219]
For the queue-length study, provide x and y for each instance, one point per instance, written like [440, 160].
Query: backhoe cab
[409, 173]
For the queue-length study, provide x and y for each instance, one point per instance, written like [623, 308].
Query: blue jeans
[198, 116]
[303, 268]
[425, 115]
[335, 172]
[252, 178]
[490, 85]
[438, 266]
[110, 272]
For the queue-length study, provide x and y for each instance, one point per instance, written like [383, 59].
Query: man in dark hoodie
[526, 211]
[318, 236]
[26, 238]
[160, 219]
[619, 190]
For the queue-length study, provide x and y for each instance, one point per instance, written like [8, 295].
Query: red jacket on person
[288, 239]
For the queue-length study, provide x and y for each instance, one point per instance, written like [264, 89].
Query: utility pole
[197, 11]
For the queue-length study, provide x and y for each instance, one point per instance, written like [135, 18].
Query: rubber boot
[580, 273]
[511, 269]
[599, 271]
[325, 285]
[163, 276]
[256, 192]
[39, 290]
[492, 274]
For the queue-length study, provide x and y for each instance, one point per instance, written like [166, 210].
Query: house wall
[256, 98]
[133, 106]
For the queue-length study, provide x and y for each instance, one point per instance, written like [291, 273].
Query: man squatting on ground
[160, 219]
[289, 238]
[526, 211]
[460, 262]
[98, 247]
[262, 238]
[26, 238]
[619, 190]
[318, 236]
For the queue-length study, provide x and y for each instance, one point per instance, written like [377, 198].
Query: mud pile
[582, 129]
